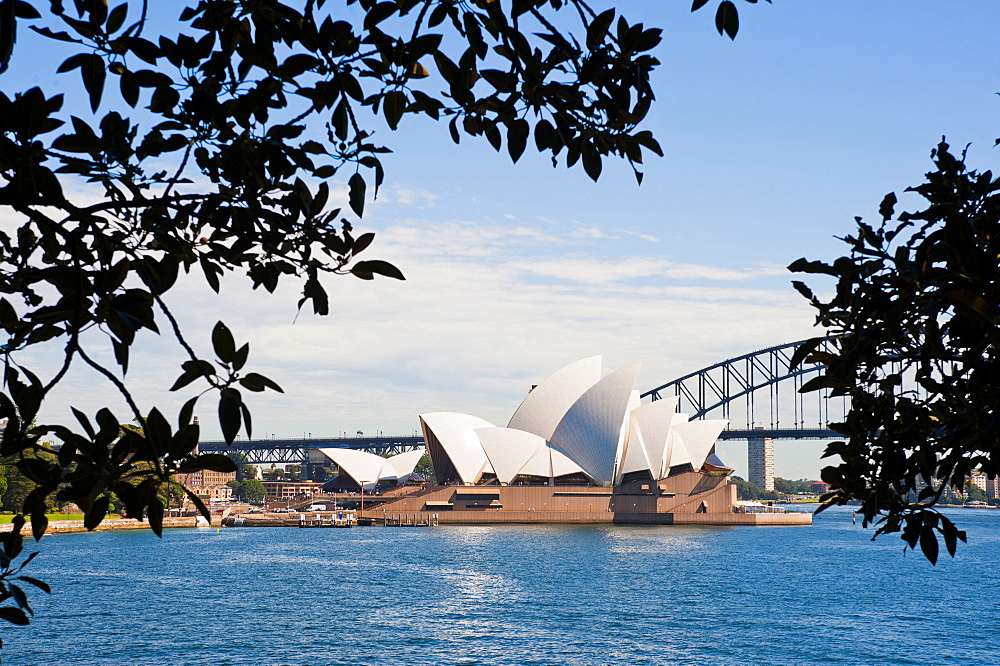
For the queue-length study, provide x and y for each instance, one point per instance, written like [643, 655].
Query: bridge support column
[760, 462]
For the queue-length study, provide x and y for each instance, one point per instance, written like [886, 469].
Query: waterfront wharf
[333, 519]
[401, 520]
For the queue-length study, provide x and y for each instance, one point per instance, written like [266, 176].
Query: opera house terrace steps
[691, 498]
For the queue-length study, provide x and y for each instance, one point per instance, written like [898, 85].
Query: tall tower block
[760, 458]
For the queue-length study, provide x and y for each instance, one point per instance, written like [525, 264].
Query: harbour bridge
[757, 392]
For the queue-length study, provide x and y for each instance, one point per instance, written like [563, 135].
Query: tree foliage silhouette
[914, 327]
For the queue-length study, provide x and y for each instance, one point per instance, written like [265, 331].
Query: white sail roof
[573, 422]
[674, 452]
[540, 463]
[544, 407]
[590, 431]
[653, 421]
[698, 438]
[403, 463]
[457, 435]
[547, 462]
[634, 458]
[634, 401]
[509, 450]
[365, 468]
[561, 465]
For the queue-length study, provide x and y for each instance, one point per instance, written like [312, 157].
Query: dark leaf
[154, 514]
[240, 358]
[257, 383]
[886, 208]
[93, 72]
[199, 504]
[598, 29]
[211, 461]
[20, 598]
[378, 267]
[229, 413]
[96, 513]
[591, 161]
[727, 19]
[517, 138]
[361, 243]
[186, 415]
[393, 104]
[40, 584]
[356, 186]
[13, 615]
[223, 343]
[929, 544]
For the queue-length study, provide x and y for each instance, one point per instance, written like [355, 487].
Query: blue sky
[773, 143]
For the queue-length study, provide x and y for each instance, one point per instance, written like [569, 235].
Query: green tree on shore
[248, 490]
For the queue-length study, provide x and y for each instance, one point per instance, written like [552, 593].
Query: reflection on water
[511, 595]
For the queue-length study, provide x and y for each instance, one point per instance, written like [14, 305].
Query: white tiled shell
[620, 452]
[653, 421]
[457, 434]
[509, 450]
[674, 452]
[590, 431]
[698, 438]
[634, 457]
[544, 407]
[403, 463]
[365, 468]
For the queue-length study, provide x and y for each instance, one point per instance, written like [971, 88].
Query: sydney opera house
[580, 448]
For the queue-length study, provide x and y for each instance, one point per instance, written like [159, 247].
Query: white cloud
[413, 197]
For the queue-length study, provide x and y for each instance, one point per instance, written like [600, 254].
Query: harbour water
[548, 594]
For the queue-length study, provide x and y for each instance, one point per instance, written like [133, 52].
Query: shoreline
[110, 525]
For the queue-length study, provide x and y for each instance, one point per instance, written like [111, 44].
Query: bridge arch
[758, 390]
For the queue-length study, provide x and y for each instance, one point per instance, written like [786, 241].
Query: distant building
[213, 492]
[206, 477]
[819, 487]
[992, 488]
[291, 489]
[760, 455]
[979, 481]
[208, 484]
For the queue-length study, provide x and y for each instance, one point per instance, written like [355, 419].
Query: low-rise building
[819, 487]
[208, 484]
[291, 489]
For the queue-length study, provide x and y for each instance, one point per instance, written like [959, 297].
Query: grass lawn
[6, 518]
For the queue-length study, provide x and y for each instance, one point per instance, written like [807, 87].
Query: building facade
[992, 488]
[291, 489]
[760, 456]
[208, 484]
